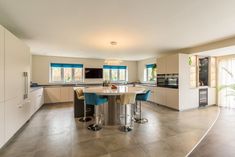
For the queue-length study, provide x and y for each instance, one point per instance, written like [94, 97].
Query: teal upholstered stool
[140, 98]
[94, 99]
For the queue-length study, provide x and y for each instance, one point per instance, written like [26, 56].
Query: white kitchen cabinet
[160, 95]
[14, 107]
[17, 61]
[168, 65]
[1, 64]
[155, 94]
[40, 99]
[172, 64]
[36, 100]
[161, 65]
[172, 98]
[17, 112]
[212, 96]
[2, 124]
[58, 94]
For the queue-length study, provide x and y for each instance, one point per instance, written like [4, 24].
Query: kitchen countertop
[109, 91]
[92, 84]
[35, 88]
[147, 84]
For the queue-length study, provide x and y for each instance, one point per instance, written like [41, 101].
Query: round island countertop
[119, 91]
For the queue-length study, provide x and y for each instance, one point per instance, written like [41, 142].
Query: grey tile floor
[220, 141]
[53, 132]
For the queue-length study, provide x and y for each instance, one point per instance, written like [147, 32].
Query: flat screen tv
[93, 73]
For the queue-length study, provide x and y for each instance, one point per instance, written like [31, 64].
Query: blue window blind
[151, 65]
[62, 65]
[114, 67]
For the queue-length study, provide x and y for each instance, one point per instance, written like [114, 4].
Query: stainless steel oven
[172, 80]
[161, 80]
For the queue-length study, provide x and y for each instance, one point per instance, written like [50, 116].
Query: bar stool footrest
[125, 128]
[141, 121]
[85, 119]
[94, 127]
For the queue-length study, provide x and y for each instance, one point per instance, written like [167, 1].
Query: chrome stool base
[94, 127]
[125, 128]
[141, 121]
[84, 119]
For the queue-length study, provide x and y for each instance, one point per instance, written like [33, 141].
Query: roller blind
[62, 65]
[114, 67]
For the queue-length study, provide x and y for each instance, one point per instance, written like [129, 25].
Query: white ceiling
[142, 28]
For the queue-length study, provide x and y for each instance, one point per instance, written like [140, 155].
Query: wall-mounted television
[93, 73]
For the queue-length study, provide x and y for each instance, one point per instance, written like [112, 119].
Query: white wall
[189, 97]
[141, 67]
[41, 67]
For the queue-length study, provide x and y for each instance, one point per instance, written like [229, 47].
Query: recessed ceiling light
[113, 43]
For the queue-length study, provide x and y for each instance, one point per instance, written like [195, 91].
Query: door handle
[26, 90]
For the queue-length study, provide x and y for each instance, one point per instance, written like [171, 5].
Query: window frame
[62, 73]
[118, 74]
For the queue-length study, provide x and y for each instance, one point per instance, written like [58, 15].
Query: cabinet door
[52, 94]
[1, 64]
[172, 64]
[16, 114]
[161, 65]
[2, 125]
[32, 97]
[151, 94]
[71, 94]
[64, 94]
[155, 94]
[17, 61]
[172, 98]
[160, 95]
[39, 97]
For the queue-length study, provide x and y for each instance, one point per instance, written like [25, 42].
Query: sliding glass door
[226, 83]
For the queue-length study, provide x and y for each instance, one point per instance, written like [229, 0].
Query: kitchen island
[112, 110]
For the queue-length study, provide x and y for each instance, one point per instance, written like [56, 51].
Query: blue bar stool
[94, 99]
[140, 98]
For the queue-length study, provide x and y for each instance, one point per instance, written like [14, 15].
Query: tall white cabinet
[2, 122]
[14, 64]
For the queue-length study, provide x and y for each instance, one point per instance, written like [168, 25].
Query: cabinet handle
[26, 90]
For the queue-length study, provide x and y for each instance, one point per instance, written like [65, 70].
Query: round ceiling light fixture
[113, 43]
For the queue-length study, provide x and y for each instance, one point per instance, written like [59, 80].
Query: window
[226, 82]
[151, 72]
[66, 73]
[115, 73]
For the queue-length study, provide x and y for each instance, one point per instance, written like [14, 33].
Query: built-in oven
[167, 80]
[172, 80]
[161, 80]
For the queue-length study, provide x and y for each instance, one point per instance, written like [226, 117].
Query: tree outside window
[151, 72]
